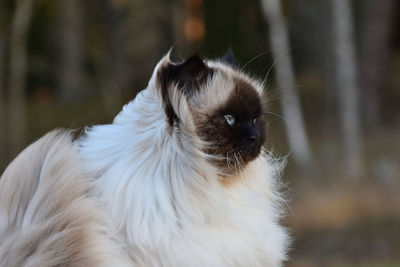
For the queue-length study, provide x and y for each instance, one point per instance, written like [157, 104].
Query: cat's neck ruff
[143, 166]
[167, 200]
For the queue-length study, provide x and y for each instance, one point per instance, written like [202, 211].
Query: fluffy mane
[168, 200]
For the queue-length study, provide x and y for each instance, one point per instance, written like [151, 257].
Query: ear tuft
[229, 59]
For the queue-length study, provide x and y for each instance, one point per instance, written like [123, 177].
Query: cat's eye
[254, 121]
[230, 119]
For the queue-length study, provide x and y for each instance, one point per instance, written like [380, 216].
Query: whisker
[238, 163]
[254, 58]
[234, 154]
[275, 62]
[241, 168]
[270, 69]
[277, 115]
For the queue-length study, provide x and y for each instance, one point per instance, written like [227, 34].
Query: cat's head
[221, 105]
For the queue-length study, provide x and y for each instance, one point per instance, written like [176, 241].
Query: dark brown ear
[229, 59]
[188, 76]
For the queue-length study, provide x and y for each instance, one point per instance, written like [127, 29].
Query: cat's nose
[253, 134]
[253, 137]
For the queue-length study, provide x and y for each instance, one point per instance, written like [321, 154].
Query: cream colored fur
[46, 216]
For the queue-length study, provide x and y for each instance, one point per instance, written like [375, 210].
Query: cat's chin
[250, 153]
[237, 161]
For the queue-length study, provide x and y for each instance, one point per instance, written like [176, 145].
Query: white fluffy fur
[139, 192]
[167, 201]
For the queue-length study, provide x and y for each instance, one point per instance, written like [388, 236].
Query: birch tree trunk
[285, 79]
[70, 80]
[346, 82]
[18, 69]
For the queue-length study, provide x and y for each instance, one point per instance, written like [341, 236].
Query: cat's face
[226, 108]
[234, 128]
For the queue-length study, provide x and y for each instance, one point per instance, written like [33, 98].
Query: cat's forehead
[243, 102]
[229, 90]
[236, 73]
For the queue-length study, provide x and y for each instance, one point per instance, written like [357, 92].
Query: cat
[180, 178]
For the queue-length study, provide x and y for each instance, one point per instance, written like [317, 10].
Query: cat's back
[46, 217]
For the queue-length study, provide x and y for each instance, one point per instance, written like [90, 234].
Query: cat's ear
[229, 59]
[187, 77]
[193, 73]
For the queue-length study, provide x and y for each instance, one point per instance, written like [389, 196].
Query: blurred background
[333, 87]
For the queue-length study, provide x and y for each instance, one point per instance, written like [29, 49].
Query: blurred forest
[333, 87]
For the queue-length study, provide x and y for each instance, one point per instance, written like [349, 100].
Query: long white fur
[166, 199]
[47, 217]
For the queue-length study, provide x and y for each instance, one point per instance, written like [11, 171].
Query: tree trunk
[375, 47]
[285, 79]
[71, 79]
[18, 69]
[346, 82]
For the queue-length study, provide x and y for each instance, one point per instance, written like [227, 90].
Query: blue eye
[230, 119]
